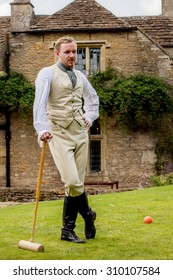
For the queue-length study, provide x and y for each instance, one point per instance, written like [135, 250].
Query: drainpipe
[7, 137]
[7, 116]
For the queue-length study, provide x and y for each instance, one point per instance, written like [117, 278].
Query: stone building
[130, 44]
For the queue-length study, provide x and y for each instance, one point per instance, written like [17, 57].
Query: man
[62, 93]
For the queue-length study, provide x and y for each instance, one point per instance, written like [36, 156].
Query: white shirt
[42, 84]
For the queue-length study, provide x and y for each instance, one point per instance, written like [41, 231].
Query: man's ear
[57, 52]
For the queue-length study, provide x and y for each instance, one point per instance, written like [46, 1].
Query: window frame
[93, 45]
[101, 138]
[102, 45]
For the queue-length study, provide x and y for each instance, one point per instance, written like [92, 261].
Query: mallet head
[31, 246]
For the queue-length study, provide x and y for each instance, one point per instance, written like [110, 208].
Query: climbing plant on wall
[16, 92]
[140, 100]
[141, 103]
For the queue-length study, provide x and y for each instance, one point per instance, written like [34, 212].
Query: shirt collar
[63, 67]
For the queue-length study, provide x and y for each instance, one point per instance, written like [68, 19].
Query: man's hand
[46, 136]
[86, 121]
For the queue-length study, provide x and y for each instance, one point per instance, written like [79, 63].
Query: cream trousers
[69, 148]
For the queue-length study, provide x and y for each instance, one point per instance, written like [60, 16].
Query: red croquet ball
[148, 220]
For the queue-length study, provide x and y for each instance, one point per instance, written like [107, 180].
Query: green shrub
[162, 180]
[16, 92]
[105, 84]
[140, 100]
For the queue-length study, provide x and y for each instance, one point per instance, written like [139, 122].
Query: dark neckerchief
[69, 72]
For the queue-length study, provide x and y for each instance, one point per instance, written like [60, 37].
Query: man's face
[67, 54]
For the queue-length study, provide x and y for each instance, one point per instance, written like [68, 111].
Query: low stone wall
[28, 195]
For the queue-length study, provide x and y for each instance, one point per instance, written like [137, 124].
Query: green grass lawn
[121, 233]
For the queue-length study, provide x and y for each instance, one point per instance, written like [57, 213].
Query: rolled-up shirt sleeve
[42, 89]
[91, 101]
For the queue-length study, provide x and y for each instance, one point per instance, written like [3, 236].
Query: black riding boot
[88, 215]
[70, 212]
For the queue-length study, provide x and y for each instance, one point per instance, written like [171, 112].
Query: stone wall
[167, 8]
[128, 158]
[21, 15]
[25, 156]
[129, 52]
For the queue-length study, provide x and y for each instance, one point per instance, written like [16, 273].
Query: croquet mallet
[31, 245]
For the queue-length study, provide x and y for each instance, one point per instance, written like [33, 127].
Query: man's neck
[64, 67]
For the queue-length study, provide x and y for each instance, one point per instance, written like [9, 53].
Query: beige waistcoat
[65, 102]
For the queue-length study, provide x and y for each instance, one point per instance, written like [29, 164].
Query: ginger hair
[64, 40]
